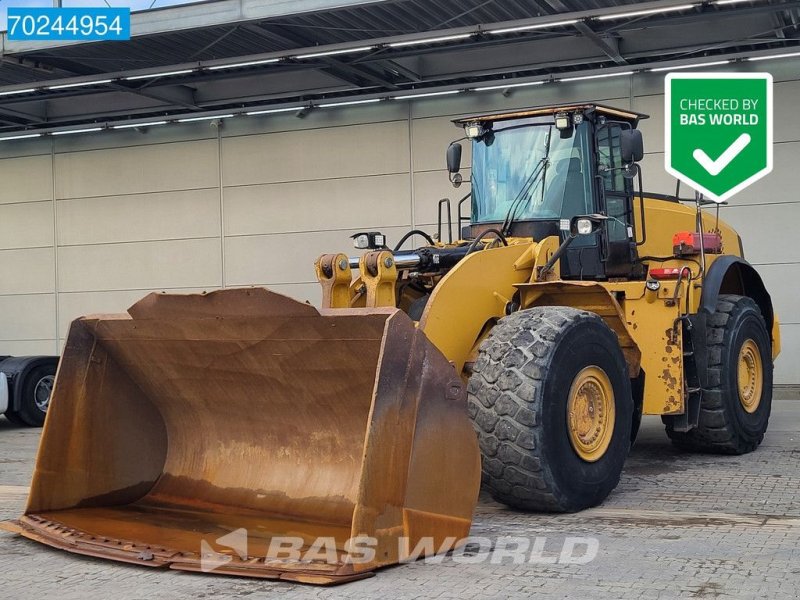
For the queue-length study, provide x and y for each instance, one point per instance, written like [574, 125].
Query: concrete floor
[679, 525]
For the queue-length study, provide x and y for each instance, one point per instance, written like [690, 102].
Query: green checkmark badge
[718, 130]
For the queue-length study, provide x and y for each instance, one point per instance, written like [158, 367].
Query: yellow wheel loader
[202, 432]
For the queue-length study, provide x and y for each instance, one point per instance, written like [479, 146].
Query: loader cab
[532, 171]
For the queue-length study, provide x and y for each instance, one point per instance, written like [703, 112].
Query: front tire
[735, 409]
[551, 402]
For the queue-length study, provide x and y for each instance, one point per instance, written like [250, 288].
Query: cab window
[617, 188]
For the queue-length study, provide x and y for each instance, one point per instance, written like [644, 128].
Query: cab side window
[610, 158]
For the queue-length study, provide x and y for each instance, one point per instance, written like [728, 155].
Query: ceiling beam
[179, 95]
[352, 74]
[26, 118]
[393, 65]
[346, 72]
[608, 45]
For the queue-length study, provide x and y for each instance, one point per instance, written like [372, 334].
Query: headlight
[562, 121]
[473, 130]
[584, 226]
[361, 241]
[369, 240]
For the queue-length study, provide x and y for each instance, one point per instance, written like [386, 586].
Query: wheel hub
[750, 376]
[42, 392]
[590, 413]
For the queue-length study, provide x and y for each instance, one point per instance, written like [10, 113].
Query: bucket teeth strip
[61, 536]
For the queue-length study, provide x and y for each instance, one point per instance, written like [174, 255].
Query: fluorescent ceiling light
[335, 52]
[582, 77]
[427, 95]
[250, 63]
[695, 66]
[772, 56]
[154, 75]
[349, 103]
[272, 111]
[71, 131]
[27, 91]
[508, 85]
[724, 2]
[64, 86]
[20, 137]
[445, 38]
[531, 27]
[133, 125]
[190, 119]
[642, 13]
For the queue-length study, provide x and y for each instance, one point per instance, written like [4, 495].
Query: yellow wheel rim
[750, 373]
[591, 413]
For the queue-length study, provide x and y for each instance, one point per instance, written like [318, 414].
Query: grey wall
[90, 223]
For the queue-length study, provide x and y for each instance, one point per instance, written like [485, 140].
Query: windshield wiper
[538, 172]
[530, 182]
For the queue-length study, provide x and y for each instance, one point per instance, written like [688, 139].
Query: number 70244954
[85, 23]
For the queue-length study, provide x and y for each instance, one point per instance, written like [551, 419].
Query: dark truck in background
[26, 383]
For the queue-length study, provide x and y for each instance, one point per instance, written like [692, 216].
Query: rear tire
[735, 409]
[550, 384]
[36, 391]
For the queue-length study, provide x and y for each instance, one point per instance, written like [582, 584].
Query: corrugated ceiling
[705, 30]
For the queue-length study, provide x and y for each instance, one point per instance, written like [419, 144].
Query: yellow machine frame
[478, 291]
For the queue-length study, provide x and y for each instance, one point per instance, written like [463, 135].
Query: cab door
[616, 191]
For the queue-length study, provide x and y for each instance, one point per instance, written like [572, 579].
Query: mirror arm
[641, 210]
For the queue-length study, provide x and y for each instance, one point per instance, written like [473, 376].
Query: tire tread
[505, 407]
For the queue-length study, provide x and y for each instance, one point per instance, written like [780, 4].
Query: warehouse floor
[679, 525]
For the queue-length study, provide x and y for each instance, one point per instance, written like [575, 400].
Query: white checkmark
[715, 167]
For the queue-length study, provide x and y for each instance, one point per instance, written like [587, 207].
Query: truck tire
[551, 401]
[14, 417]
[735, 409]
[36, 391]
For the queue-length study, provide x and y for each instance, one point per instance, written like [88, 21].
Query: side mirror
[632, 145]
[454, 158]
[585, 224]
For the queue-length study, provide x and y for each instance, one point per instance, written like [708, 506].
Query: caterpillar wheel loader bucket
[202, 432]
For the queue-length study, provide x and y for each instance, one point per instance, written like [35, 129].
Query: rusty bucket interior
[193, 417]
